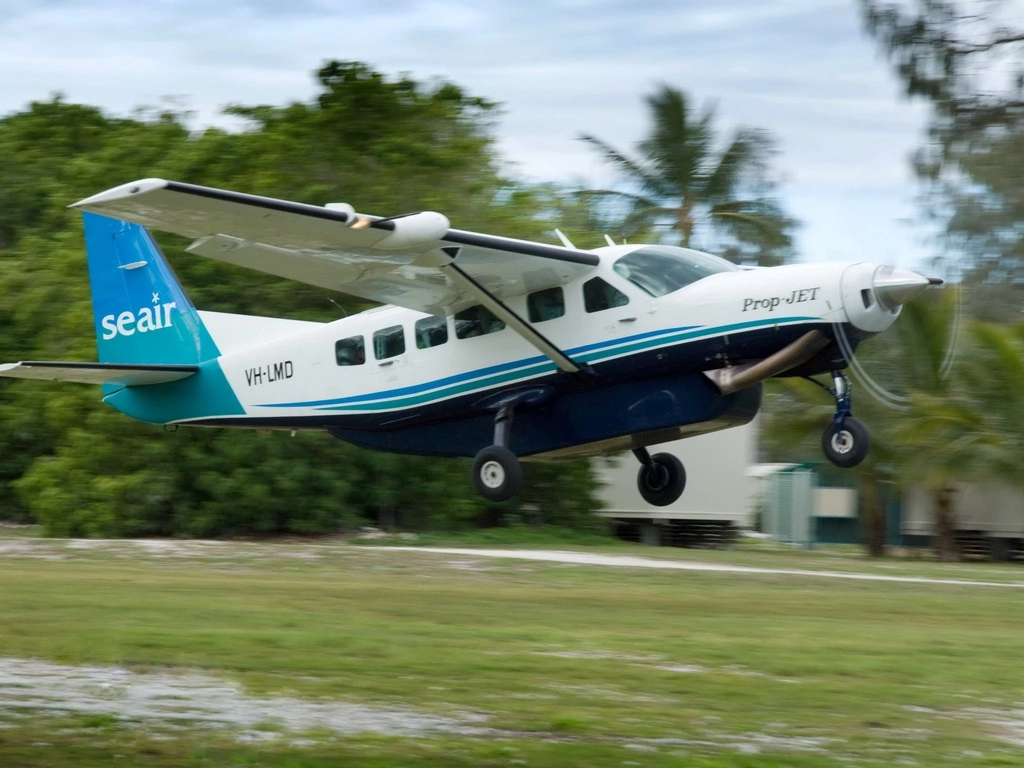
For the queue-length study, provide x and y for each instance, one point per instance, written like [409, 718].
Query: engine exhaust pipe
[737, 377]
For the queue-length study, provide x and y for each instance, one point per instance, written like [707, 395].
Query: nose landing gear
[845, 441]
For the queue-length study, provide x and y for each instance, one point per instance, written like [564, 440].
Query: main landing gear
[845, 441]
[497, 473]
[661, 478]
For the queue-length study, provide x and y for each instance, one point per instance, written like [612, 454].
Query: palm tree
[973, 431]
[680, 180]
[926, 337]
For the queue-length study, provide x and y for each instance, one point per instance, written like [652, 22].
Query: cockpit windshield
[662, 269]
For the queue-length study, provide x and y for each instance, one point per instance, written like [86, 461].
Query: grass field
[302, 655]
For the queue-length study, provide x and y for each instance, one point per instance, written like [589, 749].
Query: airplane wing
[415, 261]
[97, 373]
[390, 260]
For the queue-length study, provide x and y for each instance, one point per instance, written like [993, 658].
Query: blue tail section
[141, 312]
[142, 315]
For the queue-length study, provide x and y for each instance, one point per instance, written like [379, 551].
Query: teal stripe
[441, 394]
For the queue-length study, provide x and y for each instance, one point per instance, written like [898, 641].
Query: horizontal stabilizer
[97, 373]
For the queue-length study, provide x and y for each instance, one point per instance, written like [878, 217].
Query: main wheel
[847, 445]
[662, 481]
[497, 473]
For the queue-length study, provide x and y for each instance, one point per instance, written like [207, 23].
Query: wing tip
[120, 192]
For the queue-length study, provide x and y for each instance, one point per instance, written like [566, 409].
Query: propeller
[895, 287]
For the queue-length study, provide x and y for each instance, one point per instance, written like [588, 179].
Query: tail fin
[142, 313]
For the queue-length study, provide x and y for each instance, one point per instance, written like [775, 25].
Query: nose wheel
[846, 445]
[661, 478]
[845, 441]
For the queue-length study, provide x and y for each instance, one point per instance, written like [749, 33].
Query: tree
[926, 340]
[967, 62]
[681, 182]
[913, 359]
[964, 59]
[973, 432]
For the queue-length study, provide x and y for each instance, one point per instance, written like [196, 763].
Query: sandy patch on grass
[596, 655]
[1007, 725]
[28, 548]
[686, 669]
[203, 548]
[165, 549]
[196, 698]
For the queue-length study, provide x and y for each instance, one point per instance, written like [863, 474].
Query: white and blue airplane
[486, 347]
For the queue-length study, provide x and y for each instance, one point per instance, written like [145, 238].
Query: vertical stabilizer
[141, 312]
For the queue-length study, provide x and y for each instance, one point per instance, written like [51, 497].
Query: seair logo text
[128, 323]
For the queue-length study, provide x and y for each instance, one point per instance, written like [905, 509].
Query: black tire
[847, 445]
[497, 473]
[662, 481]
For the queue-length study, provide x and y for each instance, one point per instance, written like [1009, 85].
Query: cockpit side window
[350, 351]
[659, 270]
[599, 295]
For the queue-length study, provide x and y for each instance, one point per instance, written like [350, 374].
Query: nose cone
[895, 287]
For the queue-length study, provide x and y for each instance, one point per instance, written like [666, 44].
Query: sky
[803, 69]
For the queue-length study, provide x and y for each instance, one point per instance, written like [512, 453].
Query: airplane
[486, 347]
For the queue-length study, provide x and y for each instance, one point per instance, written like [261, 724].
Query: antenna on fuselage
[608, 239]
[343, 312]
[565, 240]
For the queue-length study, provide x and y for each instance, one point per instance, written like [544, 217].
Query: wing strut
[503, 312]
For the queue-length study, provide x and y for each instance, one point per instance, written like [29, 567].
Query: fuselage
[397, 379]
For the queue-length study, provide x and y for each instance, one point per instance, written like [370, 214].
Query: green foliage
[80, 469]
[973, 429]
[967, 62]
[964, 59]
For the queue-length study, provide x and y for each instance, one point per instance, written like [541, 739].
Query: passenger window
[599, 295]
[431, 332]
[476, 321]
[350, 351]
[545, 305]
[388, 342]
